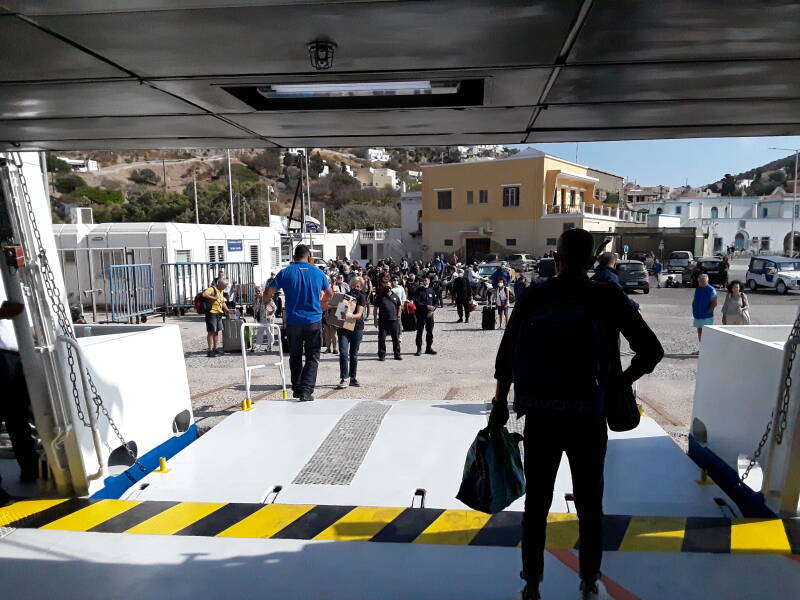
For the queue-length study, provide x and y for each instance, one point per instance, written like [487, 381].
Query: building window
[448, 242]
[580, 196]
[714, 212]
[659, 211]
[511, 196]
[742, 224]
[572, 197]
[216, 254]
[511, 242]
[765, 243]
[797, 211]
[568, 226]
[764, 212]
[364, 252]
[470, 198]
[551, 241]
[275, 256]
[445, 199]
[555, 196]
[678, 209]
[483, 197]
[183, 256]
[254, 255]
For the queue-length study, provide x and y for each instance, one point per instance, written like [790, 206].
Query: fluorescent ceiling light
[371, 88]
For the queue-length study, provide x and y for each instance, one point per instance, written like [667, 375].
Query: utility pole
[308, 195]
[230, 185]
[794, 197]
[196, 208]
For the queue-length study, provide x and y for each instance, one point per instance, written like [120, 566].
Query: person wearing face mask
[425, 302]
[500, 297]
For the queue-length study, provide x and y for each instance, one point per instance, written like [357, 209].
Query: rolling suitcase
[488, 316]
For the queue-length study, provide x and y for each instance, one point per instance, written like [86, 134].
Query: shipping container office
[86, 252]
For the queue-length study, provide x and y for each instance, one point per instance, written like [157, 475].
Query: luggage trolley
[247, 403]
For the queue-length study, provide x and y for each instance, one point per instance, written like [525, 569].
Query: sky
[673, 162]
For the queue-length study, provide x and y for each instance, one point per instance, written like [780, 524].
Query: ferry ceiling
[97, 74]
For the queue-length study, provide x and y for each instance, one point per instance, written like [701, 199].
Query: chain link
[65, 323]
[783, 410]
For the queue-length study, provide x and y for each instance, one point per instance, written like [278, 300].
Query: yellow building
[516, 204]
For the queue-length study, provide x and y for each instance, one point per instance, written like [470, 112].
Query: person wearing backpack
[561, 352]
[214, 308]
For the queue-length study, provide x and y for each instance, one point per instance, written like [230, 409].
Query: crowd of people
[398, 294]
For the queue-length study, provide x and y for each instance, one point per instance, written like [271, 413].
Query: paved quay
[461, 374]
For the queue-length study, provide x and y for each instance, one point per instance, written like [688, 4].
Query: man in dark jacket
[563, 386]
[425, 302]
[606, 270]
[387, 318]
[463, 294]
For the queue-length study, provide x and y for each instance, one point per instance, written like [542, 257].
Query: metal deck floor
[417, 445]
[105, 566]
[413, 444]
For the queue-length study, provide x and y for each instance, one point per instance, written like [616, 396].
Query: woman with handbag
[736, 309]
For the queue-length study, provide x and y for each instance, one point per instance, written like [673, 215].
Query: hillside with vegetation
[138, 186]
[763, 180]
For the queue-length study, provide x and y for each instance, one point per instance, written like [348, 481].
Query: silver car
[521, 262]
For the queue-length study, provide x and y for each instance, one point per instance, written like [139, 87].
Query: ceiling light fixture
[321, 54]
[362, 89]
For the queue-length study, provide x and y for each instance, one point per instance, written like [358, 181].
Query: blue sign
[234, 245]
[624, 248]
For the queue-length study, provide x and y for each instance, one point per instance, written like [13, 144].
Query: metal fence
[86, 275]
[182, 281]
[132, 292]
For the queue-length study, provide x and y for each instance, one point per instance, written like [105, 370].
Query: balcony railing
[377, 235]
[597, 210]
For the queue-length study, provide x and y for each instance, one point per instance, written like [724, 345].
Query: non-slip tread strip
[623, 533]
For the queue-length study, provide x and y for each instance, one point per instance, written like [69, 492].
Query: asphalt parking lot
[462, 371]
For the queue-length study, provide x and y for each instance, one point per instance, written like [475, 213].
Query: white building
[87, 251]
[377, 177]
[80, 165]
[748, 223]
[411, 224]
[377, 154]
[469, 152]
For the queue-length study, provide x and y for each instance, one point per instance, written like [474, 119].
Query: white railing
[597, 210]
[378, 235]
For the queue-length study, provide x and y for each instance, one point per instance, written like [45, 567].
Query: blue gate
[182, 282]
[132, 292]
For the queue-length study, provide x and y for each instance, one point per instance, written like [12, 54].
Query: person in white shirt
[399, 291]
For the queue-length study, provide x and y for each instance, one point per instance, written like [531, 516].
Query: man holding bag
[561, 352]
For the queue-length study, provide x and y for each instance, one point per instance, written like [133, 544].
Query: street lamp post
[794, 196]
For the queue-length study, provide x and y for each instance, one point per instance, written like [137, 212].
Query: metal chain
[783, 410]
[65, 323]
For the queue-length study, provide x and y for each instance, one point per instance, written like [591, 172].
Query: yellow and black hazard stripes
[621, 533]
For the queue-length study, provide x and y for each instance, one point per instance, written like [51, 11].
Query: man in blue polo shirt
[306, 289]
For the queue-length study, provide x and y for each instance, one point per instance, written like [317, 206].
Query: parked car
[679, 261]
[521, 262]
[487, 258]
[487, 269]
[640, 255]
[713, 266]
[778, 272]
[633, 275]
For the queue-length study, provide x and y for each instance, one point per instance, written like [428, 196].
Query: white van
[679, 260]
